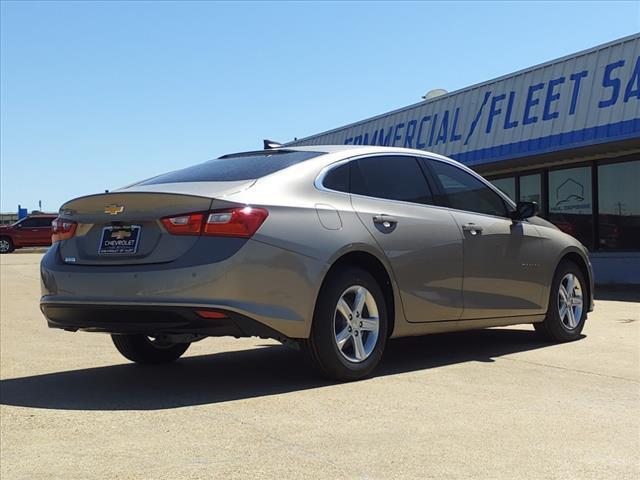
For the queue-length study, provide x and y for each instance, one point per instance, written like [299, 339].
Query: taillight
[62, 229]
[236, 222]
[184, 224]
[233, 222]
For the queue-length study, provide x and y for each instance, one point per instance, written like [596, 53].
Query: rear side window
[390, 177]
[235, 168]
[463, 191]
[337, 179]
[44, 222]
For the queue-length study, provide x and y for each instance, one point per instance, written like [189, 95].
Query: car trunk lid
[124, 227]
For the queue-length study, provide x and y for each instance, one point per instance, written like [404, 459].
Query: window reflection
[619, 206]
[506, 185]
[530, 189]
[570, 202]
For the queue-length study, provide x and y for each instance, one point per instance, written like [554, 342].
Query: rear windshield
[235, 167]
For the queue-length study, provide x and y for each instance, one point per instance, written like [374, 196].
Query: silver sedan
[330, 249]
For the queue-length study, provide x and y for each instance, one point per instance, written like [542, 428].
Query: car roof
[284, 149]
[329, 153]
[351, 149]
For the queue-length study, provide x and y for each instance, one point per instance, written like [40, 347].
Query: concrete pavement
[490, 404]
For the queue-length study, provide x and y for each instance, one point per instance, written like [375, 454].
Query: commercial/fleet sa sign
[585, 98]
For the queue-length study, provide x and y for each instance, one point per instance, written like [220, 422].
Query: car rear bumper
[152, 320]
[261, 283]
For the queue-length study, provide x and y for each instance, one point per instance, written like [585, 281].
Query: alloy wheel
[570, 302]
[356, 324]
[4, 246]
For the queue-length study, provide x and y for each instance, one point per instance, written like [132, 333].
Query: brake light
[233, 222]
[62, 229]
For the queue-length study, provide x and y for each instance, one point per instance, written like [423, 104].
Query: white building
[565, 134]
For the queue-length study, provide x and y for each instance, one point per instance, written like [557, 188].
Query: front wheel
[6, 245]
[148, 350]
[349, 330]
[567, 311]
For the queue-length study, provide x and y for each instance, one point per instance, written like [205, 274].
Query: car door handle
[472, 228]
[387, 221]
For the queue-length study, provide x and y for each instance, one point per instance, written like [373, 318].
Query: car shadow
[257, 372]
[620, 293]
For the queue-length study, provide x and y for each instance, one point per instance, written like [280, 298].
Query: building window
[506, 185]
[530, 189]
[619, 206]
[570, 202]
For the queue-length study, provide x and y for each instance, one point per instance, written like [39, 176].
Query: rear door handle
[472, 228]
[387, 221]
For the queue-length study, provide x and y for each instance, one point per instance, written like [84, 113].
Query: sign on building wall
[590, 97]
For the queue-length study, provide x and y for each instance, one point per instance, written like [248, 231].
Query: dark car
[32, 231]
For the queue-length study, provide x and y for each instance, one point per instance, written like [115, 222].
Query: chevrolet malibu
[330, 249]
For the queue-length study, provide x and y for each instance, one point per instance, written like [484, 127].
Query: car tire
[145, 350]
[568, 305]
[6, 245]
[343, 348]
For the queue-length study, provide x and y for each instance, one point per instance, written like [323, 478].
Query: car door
[392, 198]
[43, 226]
[503, 274]
[33, 231]
[23, 232]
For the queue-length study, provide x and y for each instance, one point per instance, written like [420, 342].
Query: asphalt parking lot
[496, 403]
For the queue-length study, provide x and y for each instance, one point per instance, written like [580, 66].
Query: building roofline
[564, 58]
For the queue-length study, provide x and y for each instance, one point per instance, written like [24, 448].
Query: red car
[32, 231]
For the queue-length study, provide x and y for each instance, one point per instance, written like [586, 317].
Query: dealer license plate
[119, 240]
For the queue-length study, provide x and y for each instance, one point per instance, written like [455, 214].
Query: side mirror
[17, 225]
[525, 210]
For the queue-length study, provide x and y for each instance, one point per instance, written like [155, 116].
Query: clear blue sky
[97, 95]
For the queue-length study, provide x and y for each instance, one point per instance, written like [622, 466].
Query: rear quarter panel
[296, 209]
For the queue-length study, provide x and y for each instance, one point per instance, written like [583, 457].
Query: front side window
[390, 177]
[29, 223]
[463, 191]
[36, 222]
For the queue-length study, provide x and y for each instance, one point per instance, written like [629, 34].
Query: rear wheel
[567, 311]
[349, 330]
[6, 245]
[148, 350]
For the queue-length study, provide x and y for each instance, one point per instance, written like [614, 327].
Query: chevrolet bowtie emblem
[113, 209]
[120, 234]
